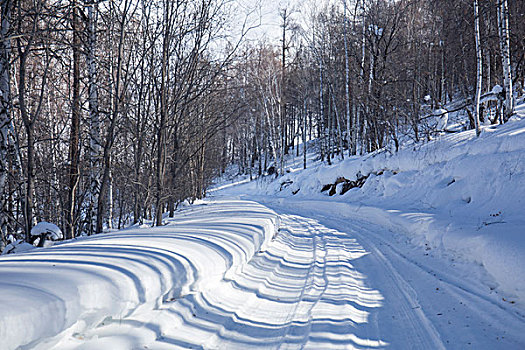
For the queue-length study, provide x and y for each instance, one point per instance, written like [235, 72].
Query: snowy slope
[53, 295]
[461, 196]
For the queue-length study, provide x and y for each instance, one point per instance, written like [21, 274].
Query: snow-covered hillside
[460, 196]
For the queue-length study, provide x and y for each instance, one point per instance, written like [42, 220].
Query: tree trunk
[30, 186]
[504, 40]
[110, 200]
[339, 129]
[349, 137]
[27, 204]
[5, 113]
[283, 93]
[324, 139]
[74, 138]
[479, 75]
[110, 134]
[305, 116]
[95, 145]
[161, 152]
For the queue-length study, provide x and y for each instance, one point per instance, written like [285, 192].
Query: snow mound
[18, 246]
[442, 115]
[51, 231]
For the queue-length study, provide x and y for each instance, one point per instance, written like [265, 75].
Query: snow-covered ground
[429, 253]
[446, 217]
[222, 276]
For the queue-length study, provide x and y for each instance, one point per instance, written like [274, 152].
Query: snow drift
[51, 293]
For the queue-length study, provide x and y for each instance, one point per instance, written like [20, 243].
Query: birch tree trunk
[321, 106]
[94, 118]
[271, 132]
[479, 75]
[504, 41]
[338, 123]
[284, 16]
[360, 110]
[349, 138]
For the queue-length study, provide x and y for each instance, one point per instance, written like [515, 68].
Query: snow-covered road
[430, 301]
[220, 277]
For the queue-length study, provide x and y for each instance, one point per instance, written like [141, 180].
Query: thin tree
[117, 96]
[161, 127]
[94, 117]
[285, 17]
[504, 42]
[5, 111]
[350, 139]
[479, 75]
[74, 137]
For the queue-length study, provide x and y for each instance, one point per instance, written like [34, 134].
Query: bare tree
[504, 40]
[74, 138]
[479, 75]
[95, 144]
[5, 111]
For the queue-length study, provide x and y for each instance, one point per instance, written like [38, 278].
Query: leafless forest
[114, 112]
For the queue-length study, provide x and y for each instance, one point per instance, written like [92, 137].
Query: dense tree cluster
[364, 74]
[112, 112]
[109, 109]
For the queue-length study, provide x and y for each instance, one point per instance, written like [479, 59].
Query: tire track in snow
[292, 249]
[478, 308]
[283, 250]
[425, 336]
[333, 320]
[314, 288]
[343, 298]
[449, 294]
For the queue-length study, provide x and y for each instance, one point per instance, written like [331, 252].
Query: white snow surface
[459, 195]
[18, 246]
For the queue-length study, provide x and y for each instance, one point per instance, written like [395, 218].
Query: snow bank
[458, 194]
[18, 246]
[51, 294]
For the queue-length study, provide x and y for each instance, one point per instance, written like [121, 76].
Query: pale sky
[267, 12]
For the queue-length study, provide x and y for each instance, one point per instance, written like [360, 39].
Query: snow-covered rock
[18, 246]
[442, 115]
[49, 230]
